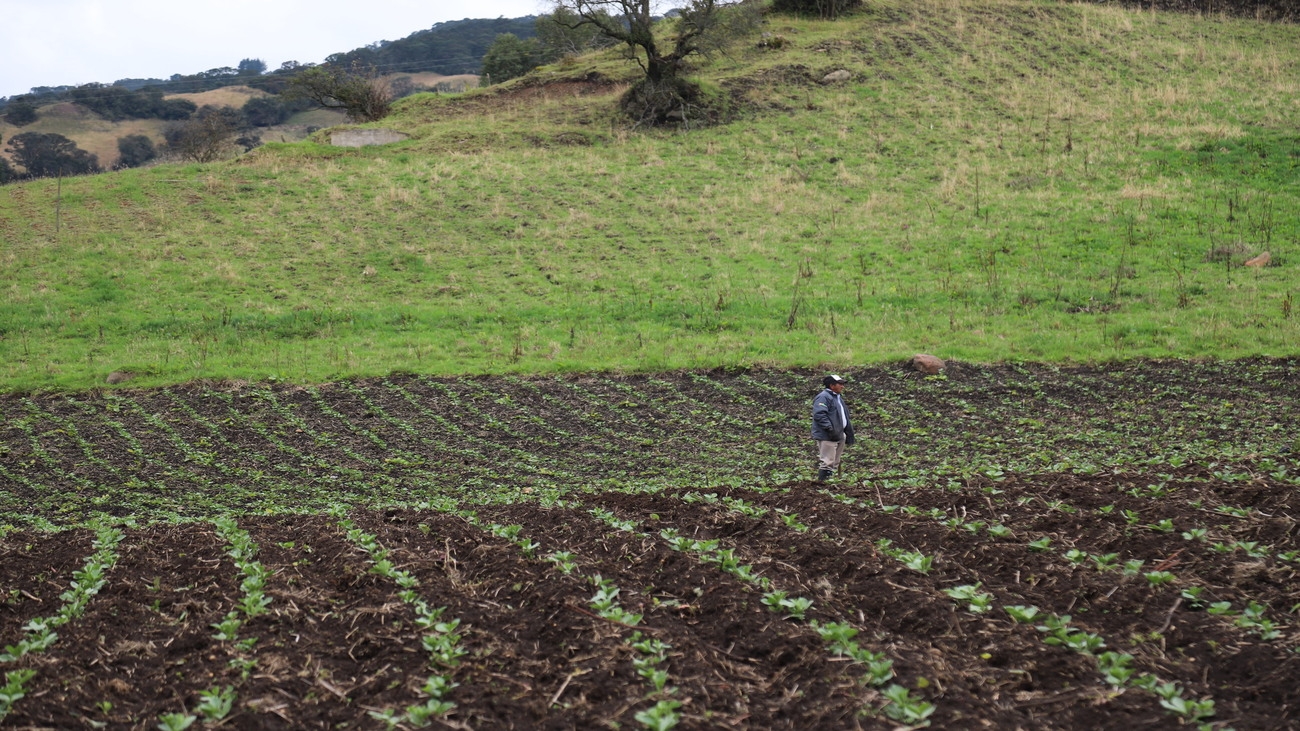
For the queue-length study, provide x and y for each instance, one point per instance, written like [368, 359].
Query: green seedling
[661, 717]
[977, 601]
[1157, 578]
[215, 703]
[1075, 556]
[916, 561]
[904, 708]
[1116, 668]
[1106, 561]
[1021, 613]
[176, 721]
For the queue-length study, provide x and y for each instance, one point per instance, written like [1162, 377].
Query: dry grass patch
[226, 96]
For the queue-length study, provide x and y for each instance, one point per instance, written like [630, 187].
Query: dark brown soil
[1094, 459]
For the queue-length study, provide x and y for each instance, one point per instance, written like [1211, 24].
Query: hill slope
[998, 180]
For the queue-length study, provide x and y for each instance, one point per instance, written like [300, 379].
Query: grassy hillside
[1000, 179]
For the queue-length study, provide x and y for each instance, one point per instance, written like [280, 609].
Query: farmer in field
[830, 426]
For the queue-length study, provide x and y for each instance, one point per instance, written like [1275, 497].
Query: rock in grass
[117, 377]
[837, 76]
[927, 364]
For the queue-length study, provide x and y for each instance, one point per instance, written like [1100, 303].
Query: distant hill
[450, 48]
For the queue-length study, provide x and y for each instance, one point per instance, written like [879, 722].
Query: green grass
[1002, 180]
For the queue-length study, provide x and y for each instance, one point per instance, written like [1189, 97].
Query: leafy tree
[205, 137]
[7, 172]
[357, 91]
[134, 151]
[700, 27]
[561, 35]
[20, 112]
[510, 57]
[46, 155]
[827, 9]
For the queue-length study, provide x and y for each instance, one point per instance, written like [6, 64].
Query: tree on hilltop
[252, 67]
[48, 155]
[700, 27]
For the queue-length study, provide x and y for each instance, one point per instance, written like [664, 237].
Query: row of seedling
[839, 637]
[651, 653]
[1252, 618]
[442, 639]
[40, 634]
[516, 457]
[216, 703]
[1116, 668]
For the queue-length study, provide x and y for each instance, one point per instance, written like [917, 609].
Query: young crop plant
[916, 561]
[660, 717]
[1106, 561]
[902, 707]
[794, 607]
[1158, 578]
[1021, 613]
[176, 721]
[791, 520]
[977, 601]
[14, 688]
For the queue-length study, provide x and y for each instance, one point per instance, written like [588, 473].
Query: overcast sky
[71, 42]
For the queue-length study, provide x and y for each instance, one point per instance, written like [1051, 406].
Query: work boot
[824, 475]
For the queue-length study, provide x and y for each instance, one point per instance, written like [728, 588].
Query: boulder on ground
[117, 377]
[927, 364]
[837, 76]
[1260, 261]
[365, 137]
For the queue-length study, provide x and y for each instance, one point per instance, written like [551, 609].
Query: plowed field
[1011, 547]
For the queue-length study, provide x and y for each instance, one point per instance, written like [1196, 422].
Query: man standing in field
[830, 426]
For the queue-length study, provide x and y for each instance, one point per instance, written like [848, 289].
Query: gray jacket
[827, 424]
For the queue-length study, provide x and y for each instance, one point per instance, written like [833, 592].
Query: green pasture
[999, 180]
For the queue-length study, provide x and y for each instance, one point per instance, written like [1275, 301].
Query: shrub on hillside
[511, 57]
[20, 112]
[357, 91]
[116, 103]
[820, 8]
[134, 151]
[208, 136]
